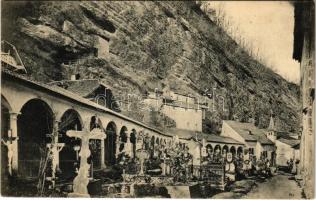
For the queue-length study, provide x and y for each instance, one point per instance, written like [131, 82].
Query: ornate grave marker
[82, 179]
[9, 144]
[54, 149]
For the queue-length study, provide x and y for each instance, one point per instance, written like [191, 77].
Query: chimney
[73, 77]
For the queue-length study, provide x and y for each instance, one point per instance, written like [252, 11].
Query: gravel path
[278, 187]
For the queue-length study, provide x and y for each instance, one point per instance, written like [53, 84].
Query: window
[75, 77]
[251, 151]
[265, 154]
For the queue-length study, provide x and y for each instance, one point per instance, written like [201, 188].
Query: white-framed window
[251, 151]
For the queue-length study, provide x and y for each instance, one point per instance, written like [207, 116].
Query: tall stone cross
[81, 181]
[54, 148]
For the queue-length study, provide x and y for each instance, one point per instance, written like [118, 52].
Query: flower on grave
[123, 160]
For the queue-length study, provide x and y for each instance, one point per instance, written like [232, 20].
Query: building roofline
[201, 135]
[284, 141]
[80, 80]
[238, 143]
[183, 94]
[78, 99]
[249, 140]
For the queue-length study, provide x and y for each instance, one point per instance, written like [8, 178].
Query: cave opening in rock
[63, 56]
[133, 142]
[101, 22]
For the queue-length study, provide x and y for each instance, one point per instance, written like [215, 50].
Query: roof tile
[249, 131]
[188, 134]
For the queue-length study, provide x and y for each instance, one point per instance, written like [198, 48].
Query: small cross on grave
[203, 149]
[164, 157]
[81, 181]
[53, 149]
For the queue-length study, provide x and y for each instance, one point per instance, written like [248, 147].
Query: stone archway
[133, 142]
[225, 150]
[34, 124]
[239, 152]
[157, 141]
[95, 145]
[217, 148]
[123, 139]
[110, 144]
[165, 143]
[152, 146]
[209, 150]
[157, 148]
[68, 156]
[233, 151]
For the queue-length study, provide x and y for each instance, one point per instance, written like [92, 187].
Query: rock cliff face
[165, 45]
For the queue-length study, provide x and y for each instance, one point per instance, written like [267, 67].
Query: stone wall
[188, 119]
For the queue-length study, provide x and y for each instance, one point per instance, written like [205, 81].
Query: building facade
[184, 109]
[287, 150]
[34, 113]
[304, 52]
[255, 140]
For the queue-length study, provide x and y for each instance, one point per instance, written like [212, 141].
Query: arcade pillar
[102, 155]
[128, 145]
[14, 134]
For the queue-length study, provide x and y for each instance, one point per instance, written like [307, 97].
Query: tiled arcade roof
[82, 87]
[188, 134]
[58, 91]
